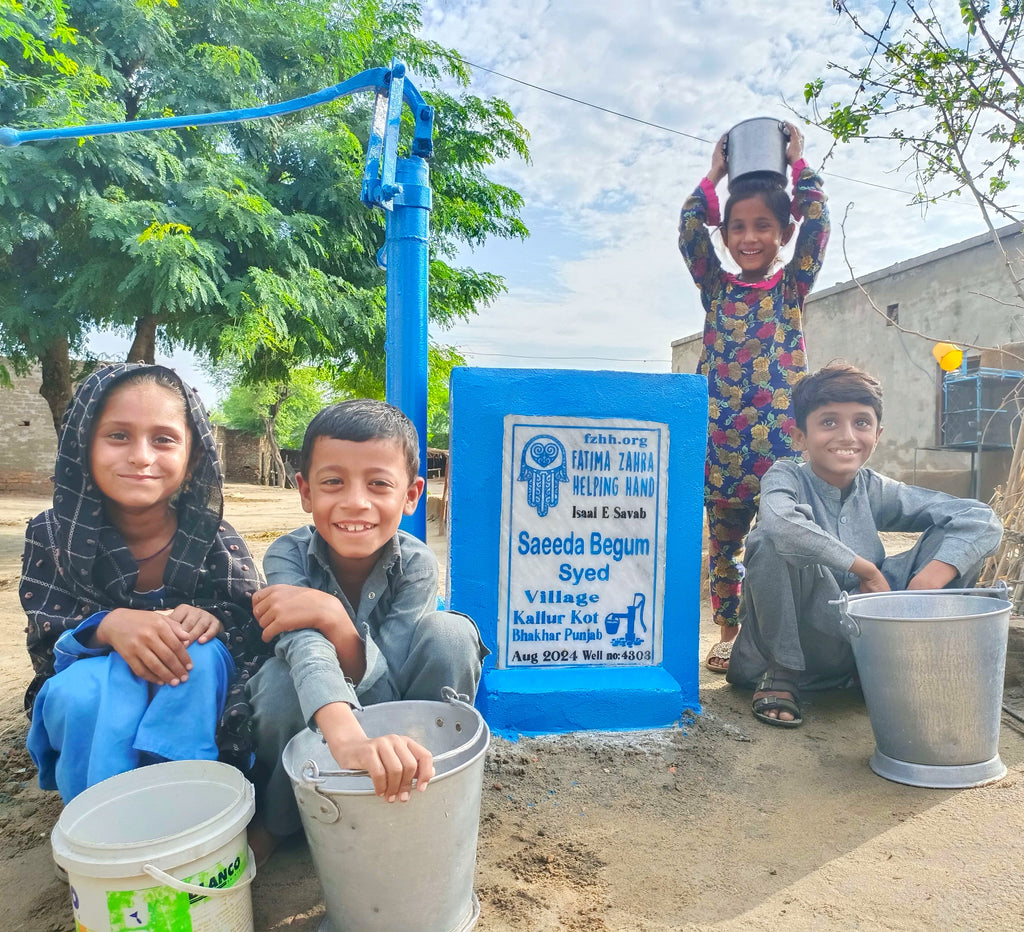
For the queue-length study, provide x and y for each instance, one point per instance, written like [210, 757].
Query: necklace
[160, 551]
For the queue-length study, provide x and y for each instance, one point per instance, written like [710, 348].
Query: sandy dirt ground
[719, 823]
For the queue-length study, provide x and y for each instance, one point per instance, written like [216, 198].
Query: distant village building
[28, 448]
[961, 293]
[28, 442]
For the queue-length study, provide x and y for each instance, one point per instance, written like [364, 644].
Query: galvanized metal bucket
[401, 865]
[931, 665]
[756, 148]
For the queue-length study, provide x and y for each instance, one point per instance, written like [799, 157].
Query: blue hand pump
[399, 186]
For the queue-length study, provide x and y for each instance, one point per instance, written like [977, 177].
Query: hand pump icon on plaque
[634, 613]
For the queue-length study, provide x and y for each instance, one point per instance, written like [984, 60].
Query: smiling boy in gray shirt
[352, 610]
[817, 534]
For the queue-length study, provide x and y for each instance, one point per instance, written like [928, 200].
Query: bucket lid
[165, 814]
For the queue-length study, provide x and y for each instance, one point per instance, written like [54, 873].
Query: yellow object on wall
[949, 356]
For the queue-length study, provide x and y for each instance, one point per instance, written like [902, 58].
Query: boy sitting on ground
[817, 535]
[352, 604]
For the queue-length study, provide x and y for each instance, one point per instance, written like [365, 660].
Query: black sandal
[771, 684]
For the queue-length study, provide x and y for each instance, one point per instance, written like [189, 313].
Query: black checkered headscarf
[76, 563]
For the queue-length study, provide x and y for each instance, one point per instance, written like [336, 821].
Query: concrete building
[961, 294]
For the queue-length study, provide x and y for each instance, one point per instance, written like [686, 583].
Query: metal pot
[931, 664]
[756, 148]
[408, 865]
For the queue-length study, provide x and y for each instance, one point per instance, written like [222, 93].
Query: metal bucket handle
[312, 773]
[849, 624]
[782, 129]
[324, 808]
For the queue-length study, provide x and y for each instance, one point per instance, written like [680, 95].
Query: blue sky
[600, 284]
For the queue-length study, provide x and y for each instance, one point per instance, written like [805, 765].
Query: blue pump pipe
[399, 186]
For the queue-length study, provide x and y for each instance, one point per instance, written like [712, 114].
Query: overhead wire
[660, 126]
[587, 103]
[535, 356]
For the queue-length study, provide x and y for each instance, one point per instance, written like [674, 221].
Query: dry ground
[721, 823]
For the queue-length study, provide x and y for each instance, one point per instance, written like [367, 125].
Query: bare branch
[996, 48]
[914, 333]
[989, 297]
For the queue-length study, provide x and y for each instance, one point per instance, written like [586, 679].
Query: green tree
[36, 70]
[369, 382]
[277, 412]
[949, 89]
[250, 407]
[246, 243]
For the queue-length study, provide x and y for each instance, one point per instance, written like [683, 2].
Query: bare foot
[261, 841]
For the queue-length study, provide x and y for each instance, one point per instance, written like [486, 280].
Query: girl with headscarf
[138, 593]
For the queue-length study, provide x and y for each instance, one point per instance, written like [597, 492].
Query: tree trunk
[56, 388]
[275, 472]
[143, 348]
[280, 477]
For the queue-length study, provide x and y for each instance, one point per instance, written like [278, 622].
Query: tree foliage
[246, 243]
[947, 85]
[248, 406]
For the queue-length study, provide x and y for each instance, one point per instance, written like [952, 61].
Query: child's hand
[871, 577]
[719, 163]
[795, 147]
[392, 761]
[197, 623]
[934, 575]
[281, 608]
[875, 584]
[151, 643]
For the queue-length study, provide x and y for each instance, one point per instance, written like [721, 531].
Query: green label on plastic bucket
[156, 909]
[220, 876]
[162, 909]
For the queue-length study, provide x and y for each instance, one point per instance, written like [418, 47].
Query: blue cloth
[70, 645]
[141, 723]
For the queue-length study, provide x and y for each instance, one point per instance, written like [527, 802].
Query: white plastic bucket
[401, 865]
[160, 849]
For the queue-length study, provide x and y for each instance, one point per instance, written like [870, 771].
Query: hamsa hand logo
[542, 468]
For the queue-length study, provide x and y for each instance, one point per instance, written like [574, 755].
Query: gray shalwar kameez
[799, 555]
[412, 652]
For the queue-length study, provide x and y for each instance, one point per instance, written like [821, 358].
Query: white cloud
[601, 276]
[610, 189]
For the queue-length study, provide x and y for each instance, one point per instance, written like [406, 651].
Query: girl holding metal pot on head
[753, 350]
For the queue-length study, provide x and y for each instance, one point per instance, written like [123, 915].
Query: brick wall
[28, 441]
[240, 454]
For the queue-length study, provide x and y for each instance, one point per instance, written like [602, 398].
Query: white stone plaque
[582, 542]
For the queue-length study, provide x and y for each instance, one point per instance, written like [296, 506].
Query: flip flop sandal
[771, 684]
[721, 651]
